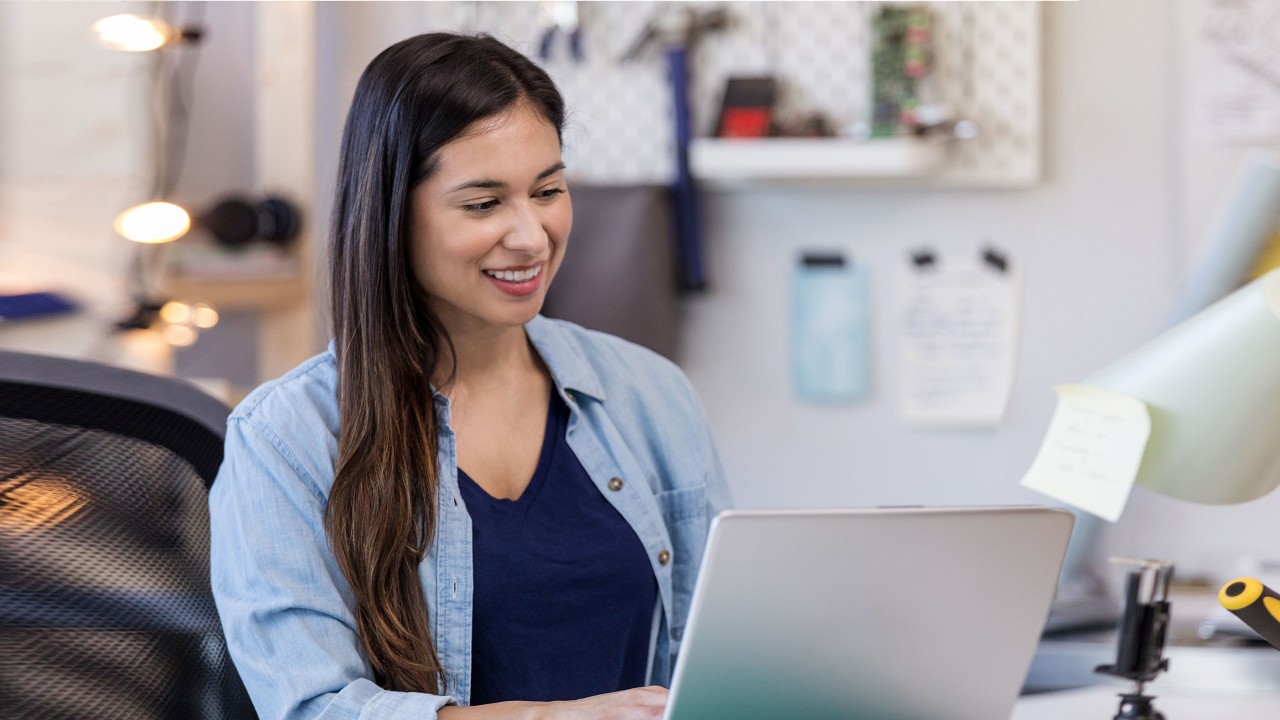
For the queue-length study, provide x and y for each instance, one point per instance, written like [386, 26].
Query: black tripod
[1136, 706]
[1141, 636]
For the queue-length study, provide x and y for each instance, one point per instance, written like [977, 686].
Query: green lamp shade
[1212, 387]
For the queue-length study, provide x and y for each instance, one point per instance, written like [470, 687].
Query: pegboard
[986, 64]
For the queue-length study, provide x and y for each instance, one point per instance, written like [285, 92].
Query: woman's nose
[527, 232]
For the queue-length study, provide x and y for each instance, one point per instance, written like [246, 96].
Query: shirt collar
[564, 358]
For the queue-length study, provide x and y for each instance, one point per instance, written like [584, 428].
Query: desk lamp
[1212, 389]
[156, 222]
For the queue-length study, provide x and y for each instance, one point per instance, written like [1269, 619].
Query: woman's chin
[520, 315]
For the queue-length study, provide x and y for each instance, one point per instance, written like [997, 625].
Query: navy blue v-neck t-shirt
[564, 594]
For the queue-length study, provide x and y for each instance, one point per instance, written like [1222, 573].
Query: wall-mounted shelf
[258, 277]
[738, 160]
[260, 294]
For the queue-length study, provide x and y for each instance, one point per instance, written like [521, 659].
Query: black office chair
[105, 605]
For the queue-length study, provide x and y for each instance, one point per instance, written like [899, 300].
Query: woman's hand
[646, 703]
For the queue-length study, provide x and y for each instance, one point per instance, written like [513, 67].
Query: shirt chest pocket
[684, 512]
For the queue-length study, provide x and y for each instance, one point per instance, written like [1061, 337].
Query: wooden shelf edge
[238, 293]
[718, 159]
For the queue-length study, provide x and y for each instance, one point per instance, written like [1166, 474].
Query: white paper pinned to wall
[1093, 450]
[1234, 72]
[957, 338]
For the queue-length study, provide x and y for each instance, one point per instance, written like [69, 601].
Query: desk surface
[1101, 703]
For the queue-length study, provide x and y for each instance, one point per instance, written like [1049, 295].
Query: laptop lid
[874, 614]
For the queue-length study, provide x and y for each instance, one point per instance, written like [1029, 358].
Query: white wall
[219, 158]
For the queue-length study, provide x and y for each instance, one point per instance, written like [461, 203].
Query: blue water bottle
[829, 321]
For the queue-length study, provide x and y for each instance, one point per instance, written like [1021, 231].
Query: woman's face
[491, 223]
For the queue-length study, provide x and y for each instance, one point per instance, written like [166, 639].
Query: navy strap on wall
[684, 193]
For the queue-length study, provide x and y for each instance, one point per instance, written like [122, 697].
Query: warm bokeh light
[178, 335]
[153, 222]
[203, 316]
[32, 503]
[132, 33]
[177, 313]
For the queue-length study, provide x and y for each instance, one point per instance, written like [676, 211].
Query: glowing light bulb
[176, 313]
[153, 222]
[178, 335]
[203, 316]
[132, 33]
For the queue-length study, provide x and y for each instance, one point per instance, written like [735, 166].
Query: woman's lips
[516, 282]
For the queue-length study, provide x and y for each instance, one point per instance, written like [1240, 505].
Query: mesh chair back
[105, 604]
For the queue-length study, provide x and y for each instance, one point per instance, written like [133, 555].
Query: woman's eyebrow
[550, 171]
[485, 184]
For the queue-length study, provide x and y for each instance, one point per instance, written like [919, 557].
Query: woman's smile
[516, 281]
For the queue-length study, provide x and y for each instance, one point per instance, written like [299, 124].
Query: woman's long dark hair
[412, 99]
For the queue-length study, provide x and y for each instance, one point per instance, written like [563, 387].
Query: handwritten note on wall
[1092, 451]
[1234, 72]
[957, 339]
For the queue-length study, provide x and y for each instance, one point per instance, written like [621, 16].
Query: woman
[462, 509]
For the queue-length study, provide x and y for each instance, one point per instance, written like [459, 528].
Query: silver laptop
[876, 614]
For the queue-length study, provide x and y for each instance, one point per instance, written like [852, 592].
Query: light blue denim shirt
[635, 424]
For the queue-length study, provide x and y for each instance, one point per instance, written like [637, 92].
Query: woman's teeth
[514, 275]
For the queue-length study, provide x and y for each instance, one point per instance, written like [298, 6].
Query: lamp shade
[1212, 387]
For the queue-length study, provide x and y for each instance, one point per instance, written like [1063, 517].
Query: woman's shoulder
[311, 388]
[283, 436]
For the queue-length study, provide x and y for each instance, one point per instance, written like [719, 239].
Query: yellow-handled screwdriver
[1256, 604]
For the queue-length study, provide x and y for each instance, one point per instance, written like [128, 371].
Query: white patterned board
[986, 64]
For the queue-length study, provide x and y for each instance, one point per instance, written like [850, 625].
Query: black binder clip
[996, 260]
[924, 259]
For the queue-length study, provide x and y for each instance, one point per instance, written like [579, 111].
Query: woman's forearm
[645, 703]
[496, 711]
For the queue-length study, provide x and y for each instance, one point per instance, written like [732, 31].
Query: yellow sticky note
[1092, 451]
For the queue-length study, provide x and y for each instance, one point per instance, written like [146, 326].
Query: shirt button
[664, 557]
[615, 484]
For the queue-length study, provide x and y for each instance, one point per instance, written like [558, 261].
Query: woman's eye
[481, 207]
[549, 193]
